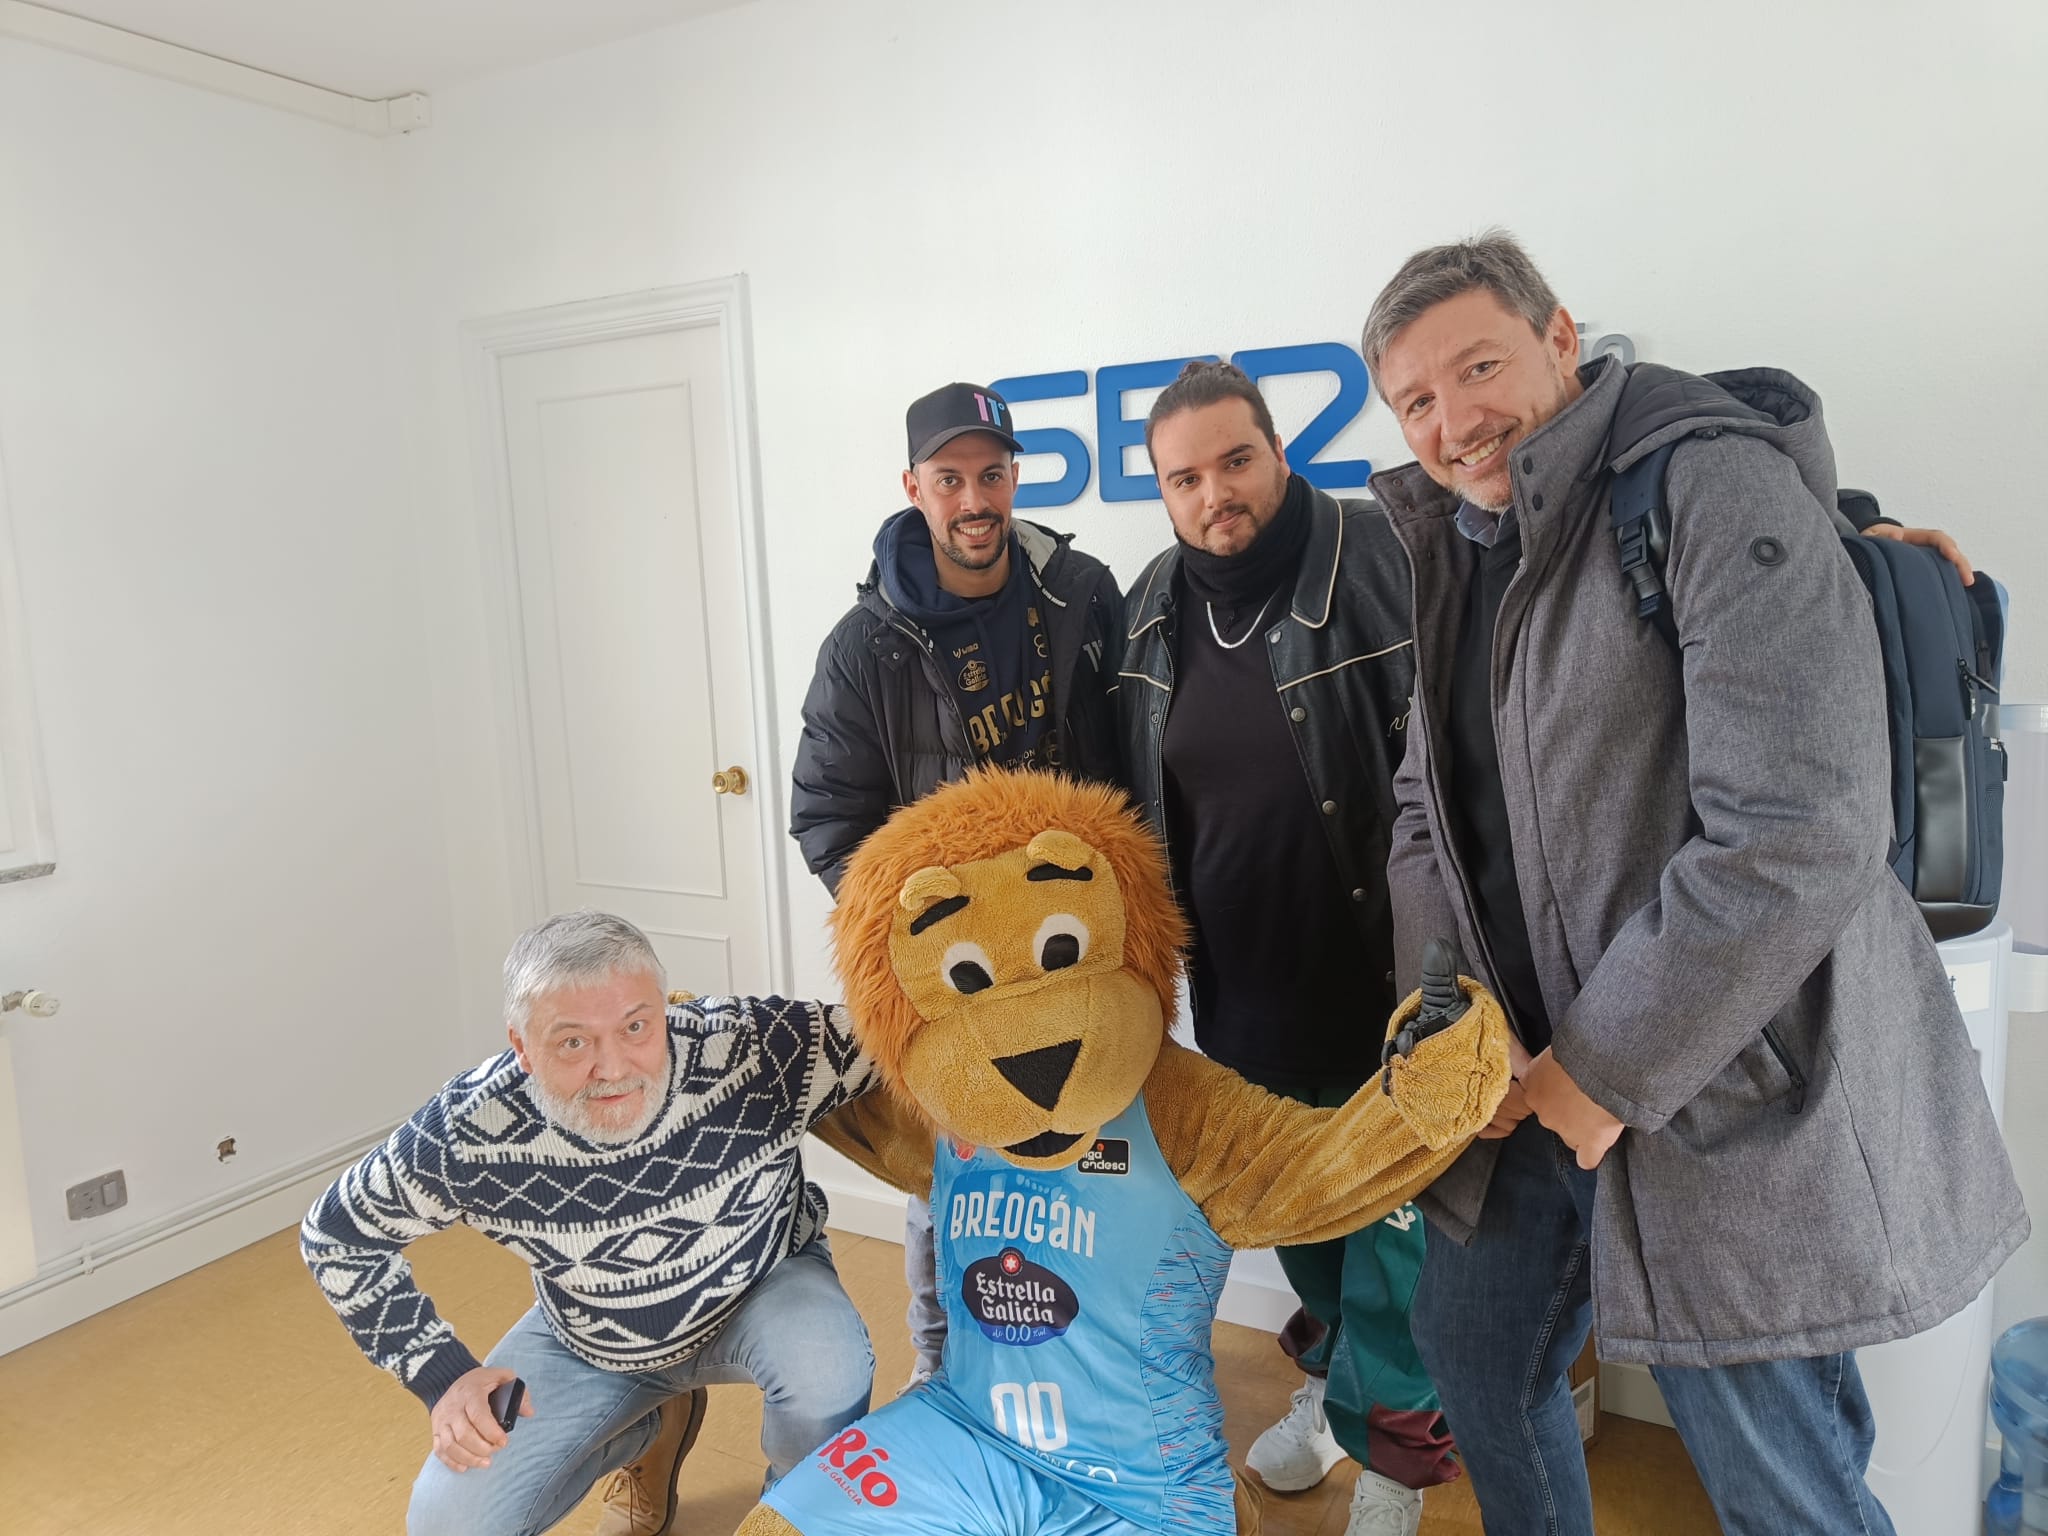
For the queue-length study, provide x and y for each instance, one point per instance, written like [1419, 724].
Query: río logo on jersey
[854, 1462]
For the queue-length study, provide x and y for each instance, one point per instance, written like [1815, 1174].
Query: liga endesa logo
[1109, 1155]
[860, 1479]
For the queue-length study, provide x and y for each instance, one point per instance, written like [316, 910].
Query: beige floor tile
[714, 1495]
[732, 1426]
[24, 1515]
[231, 1401]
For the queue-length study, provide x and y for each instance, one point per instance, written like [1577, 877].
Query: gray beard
[574, 1114]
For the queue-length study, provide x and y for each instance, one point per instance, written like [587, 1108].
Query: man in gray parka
[1748, 1097]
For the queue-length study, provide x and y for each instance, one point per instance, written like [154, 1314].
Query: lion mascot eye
[1062, 941]
[967, 969]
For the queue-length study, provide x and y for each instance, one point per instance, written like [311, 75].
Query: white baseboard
[1256, 1295]
[1631, 1391]
[73, 1286]
[1255, 1302]
[864, 1212]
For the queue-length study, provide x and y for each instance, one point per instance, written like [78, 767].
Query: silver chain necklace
[1231, 645]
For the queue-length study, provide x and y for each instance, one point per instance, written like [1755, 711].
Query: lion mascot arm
[1266, 1170]
[884, 1137]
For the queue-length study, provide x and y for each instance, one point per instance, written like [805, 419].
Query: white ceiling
[381, 48]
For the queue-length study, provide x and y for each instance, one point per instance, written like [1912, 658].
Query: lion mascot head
[1009, 947]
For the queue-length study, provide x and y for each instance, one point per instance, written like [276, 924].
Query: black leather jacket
[882, 728]
[1343, 662]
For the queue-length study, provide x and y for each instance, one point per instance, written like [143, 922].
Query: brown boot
[640, 1498]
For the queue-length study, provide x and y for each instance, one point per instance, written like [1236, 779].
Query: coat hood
[1660, 404]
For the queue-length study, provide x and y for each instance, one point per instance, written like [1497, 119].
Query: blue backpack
[1942, 644]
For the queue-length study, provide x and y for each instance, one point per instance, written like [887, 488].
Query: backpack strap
[1642, 529]
[1861, 508]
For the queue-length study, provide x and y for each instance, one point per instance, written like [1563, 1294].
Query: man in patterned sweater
[643, 1156]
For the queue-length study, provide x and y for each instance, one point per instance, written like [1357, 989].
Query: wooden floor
[230, 1401]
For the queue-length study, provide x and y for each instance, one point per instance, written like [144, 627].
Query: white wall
[249, 925]
[234, 427]
[920, 191]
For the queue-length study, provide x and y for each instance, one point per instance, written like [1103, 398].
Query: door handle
[733, 781]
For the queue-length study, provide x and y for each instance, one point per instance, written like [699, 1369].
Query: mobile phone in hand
[505, 1403]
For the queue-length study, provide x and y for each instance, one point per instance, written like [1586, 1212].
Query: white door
[632, 612]
[26, 852]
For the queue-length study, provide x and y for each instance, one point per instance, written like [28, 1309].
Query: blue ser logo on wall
[1114, 431]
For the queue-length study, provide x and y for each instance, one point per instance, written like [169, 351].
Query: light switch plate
[97, 1196]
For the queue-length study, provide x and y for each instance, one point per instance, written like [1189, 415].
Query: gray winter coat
[1702, 855]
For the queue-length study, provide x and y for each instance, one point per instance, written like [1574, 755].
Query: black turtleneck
[1272, 971]
[1247, 578]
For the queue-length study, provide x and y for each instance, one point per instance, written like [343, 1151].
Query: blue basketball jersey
[1079, 1304]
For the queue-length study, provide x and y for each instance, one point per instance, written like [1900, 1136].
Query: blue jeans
[796, 1336]
[1781, 1446]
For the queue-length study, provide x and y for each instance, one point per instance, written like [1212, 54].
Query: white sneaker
[1382, 1507]
[1299, 1451]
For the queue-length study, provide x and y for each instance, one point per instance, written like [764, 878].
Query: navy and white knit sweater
[640, 1252]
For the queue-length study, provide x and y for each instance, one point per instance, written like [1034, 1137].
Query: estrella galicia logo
[1016, 1301]
[1108, 1155]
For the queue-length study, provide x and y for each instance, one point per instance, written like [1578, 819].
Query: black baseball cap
[954, 411]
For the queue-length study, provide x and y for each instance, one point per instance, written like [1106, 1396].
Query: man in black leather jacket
[1264, 704]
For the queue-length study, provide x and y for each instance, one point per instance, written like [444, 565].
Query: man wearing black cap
[976, 638]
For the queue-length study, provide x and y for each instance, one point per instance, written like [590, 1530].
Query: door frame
[23, 783]
[720, 303]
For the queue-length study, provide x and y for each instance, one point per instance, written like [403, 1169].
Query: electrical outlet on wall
[96, 1196]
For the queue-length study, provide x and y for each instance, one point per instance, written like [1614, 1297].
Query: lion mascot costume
[1009, 948]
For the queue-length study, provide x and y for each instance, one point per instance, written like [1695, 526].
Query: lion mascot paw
[1009, 948]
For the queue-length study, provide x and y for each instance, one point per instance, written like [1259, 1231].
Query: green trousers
[1356, 1292]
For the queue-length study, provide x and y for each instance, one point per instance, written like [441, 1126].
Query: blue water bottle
[2018, 1502]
